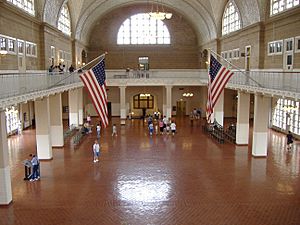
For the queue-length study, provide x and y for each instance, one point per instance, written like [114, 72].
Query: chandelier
[159, 13]
[188, 94]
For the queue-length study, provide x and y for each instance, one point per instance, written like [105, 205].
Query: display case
[12, 120]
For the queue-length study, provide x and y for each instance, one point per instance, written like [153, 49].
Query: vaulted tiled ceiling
[204, 15]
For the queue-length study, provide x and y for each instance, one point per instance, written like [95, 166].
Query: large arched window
[231, 18]
[64, 21]
[278, 6]
[26, 5]
[140, 29]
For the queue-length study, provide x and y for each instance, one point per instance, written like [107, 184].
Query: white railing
[283, 81]
[19, 84]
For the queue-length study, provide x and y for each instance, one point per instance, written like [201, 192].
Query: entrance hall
[183, 179]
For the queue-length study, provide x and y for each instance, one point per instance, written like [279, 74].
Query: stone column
[123, 113]
[57, 133]
[260, 126]
[43, 135]
[168, 105]
[5, 180]
[80, 106]
[73, 107]
[242, 125]
[219, 109]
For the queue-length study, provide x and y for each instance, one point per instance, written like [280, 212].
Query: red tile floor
[188, 179]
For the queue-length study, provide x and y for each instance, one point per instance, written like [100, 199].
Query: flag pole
[90, 62]
[243, 72]
[103, 56]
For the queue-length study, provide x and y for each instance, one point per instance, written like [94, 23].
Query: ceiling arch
[192, 10]
[204, 15]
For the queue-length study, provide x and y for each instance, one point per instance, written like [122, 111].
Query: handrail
[12, 85]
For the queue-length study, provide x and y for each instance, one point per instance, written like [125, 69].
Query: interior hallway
[186, 179]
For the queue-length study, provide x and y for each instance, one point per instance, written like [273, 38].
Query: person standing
[161, 126]
[35, 164]
[96, 151]
[150, 128]
[289, 140]
[71, 69]
[89, 119]
[98, 128]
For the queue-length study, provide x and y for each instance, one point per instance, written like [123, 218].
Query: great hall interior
[238, 171]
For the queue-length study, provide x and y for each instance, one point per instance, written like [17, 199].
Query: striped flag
[218, 78]
[94, 81]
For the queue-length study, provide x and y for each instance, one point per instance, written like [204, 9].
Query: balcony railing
[12, 85]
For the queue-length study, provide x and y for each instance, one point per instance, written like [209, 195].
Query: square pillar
[260, 126]
[73, 108]
[43, 134]
[80, 106]
[123, 111]
[57, 133]
[219, 109]
[242, 125]
[5, 180]
[167, 106]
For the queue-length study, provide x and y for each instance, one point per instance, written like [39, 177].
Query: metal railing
[283, 81]
[19, 84]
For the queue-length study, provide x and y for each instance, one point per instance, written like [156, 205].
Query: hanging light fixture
[159, 13]
[188, 94]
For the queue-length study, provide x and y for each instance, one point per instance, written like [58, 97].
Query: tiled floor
[187, 179]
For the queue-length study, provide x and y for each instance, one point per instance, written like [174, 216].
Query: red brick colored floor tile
[186, 179]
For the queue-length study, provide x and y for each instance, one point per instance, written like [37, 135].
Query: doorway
[181, 108]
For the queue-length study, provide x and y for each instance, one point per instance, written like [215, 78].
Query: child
[173, 127]
[151, 129]
[114, 130]
[168, 128]
[96, 151]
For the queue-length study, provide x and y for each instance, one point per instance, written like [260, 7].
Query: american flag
[218, 78]
[94, 81]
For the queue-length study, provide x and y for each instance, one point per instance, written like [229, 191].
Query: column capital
[168, 86]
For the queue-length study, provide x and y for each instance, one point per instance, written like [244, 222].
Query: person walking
[96, 151]
[289, 140]
[114, 130]
[173, 128]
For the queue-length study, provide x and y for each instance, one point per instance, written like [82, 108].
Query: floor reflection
[143, 191]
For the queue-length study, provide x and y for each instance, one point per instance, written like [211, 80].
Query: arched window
[26, 5]
[231, 18]
[278, 6]
[64, 21]
[140, 29]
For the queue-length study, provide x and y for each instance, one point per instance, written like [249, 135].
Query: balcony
[16, 87]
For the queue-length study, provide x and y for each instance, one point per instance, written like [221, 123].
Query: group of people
[165, 126]
[60, 69]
